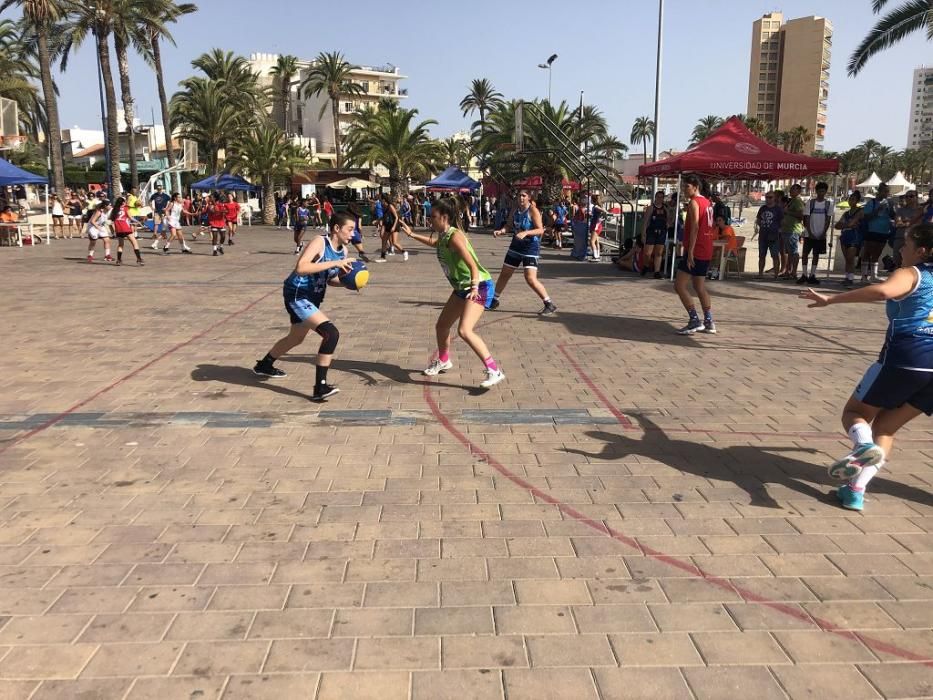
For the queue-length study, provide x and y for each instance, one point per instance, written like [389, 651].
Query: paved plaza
[631, 514]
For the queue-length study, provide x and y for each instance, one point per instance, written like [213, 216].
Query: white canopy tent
[354, 183]
[899, 183]
[872, 181]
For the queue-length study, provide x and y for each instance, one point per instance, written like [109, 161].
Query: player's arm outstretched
[898, 285]
[420, 237]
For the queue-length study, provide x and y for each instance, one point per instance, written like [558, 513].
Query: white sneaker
[436, 367]
[493, 377]
[155, 244]
[405, 255]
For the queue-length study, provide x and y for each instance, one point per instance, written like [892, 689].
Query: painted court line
[57, 418]
[685, 566]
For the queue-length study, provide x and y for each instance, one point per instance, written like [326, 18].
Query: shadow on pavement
[368, 371]
[242, 376]
[750, 468]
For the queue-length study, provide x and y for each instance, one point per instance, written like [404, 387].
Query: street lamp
[547, 66]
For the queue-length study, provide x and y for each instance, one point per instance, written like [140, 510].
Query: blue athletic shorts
[487, 291]
[790, 242]
[766, 246]
[356, 238]
[513, 259]
[891, 387]
[850, 238]
[299, 309]
[700, 267]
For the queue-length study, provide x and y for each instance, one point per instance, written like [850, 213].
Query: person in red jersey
[697, 253]
[232, 208]
[217, 220]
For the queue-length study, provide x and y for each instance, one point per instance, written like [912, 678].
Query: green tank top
[455, 267]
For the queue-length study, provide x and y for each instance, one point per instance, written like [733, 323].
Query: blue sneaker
[867, 454]
[853, 500]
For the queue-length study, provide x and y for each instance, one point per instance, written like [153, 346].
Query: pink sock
[491, 364]
[443, 356]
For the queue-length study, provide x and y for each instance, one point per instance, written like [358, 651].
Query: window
[348, 107]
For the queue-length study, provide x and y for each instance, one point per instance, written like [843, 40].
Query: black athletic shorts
[814, 245]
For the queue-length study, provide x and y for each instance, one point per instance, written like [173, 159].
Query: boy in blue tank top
[899, 386]
[303, 291]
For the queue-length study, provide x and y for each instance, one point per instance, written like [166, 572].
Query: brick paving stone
[368, 552]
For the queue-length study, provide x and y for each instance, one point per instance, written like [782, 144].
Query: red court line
[117, 382]
[692, 569]
[619, 416]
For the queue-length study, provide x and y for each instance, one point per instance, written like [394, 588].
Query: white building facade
[920, 128]
[305, 120]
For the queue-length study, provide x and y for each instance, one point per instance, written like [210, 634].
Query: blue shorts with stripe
[513, 259]
[889, 387]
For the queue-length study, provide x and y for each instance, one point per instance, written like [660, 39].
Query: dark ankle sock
[268, 359]
[320, 376]
[119, 256]
[139, 255]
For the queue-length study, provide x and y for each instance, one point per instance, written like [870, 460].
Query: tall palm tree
[799, 138]
[393, 140]
[331, 74]
[869, 149]
[481, 98]
[705, 126]
[643, 131]
[902, 21]
[284, 71]
[134, 23]
[17, 71]
[97, 17]
[266, 154]
[454, 151]
[40, 15]
[169, 12]
[217, 108]
[756, 126]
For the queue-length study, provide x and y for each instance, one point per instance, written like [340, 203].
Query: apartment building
[920, 128]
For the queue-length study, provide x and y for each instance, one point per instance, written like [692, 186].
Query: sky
[605, 48]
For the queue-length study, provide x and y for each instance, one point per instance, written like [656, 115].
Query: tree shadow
[748, 467]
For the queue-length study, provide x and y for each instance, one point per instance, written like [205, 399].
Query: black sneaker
[643, 272]
[230, 242]
[165, 251]
[693, 325]
[323, 391]
[658, 275]
[548, 310]
[494, 304]
[215, 253]
[266, 369]
[221, 250]
[802, 279]
[813, 281]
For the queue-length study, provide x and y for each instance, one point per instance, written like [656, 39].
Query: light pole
[657, 92]
[547, 66]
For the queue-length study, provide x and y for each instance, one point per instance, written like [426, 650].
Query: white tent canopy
[872, 181]
[899, 183]
[353, 183]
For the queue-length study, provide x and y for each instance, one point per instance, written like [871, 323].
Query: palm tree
[902, 21]
[705, 126]
[285, 70]
[392, 139]
[134, 23]
[481, 98]
[17, 71]
[97, 18]
[884, 155]
[169, 12]
[332, 75]
[756, 126]
[796, 139]
[267, 155]
[216, 109]
[643, 130]
[39, 16]
[454, 151]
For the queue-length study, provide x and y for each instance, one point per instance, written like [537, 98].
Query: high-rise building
[788, 80]
[306, 119]
[920, 129]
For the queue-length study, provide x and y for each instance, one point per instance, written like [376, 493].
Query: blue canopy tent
[11, 175]
[453, 179]
[224, 181]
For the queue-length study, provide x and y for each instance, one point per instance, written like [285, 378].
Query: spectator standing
[656, 222]
[905, 216]
[158, 201]
[816, 222]
[720, 208]
[768, 228]
[878, 220]
[851, 239]
[791, 230]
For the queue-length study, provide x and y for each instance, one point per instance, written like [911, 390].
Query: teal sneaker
[867, 454]
[853, 500]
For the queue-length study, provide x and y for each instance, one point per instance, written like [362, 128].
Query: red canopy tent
[493, 187]
[732, 151]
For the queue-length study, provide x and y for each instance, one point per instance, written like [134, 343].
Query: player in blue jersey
[560, 223]
[899, 386]
[524, 251]
[317, 267]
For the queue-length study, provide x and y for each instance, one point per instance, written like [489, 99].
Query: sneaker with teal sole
[865, 455]
[853, 500]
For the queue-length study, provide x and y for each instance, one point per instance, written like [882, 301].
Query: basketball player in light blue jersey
[303, 291]
[899, 386]
[524, 251]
